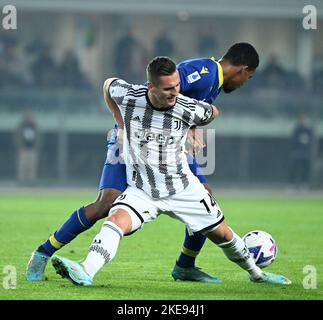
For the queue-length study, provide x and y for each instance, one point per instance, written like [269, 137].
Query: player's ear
[243, 68]
[150, 85]
[236, 70]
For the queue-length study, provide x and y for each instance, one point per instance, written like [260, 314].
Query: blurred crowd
[275, 76]
[34, 65]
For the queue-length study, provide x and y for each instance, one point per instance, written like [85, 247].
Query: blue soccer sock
[72, 227]
[191, 248]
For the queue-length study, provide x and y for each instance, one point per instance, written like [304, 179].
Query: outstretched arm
[111, 103]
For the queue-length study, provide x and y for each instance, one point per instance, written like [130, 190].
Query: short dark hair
[160, 66]
[242, 54]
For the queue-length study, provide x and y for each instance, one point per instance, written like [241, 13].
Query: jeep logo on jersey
[160, 138]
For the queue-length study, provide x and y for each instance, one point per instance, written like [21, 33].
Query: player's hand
[194, 142]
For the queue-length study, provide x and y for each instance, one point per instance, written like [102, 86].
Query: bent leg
[124, 218]
[102, 250]
[112, 184]
[80, 220]
[234, 248]
[236, 251]
[105, 244]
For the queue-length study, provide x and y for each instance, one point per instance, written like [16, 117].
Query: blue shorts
[114, 173]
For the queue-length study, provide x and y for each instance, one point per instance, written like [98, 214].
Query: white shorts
[194, 206]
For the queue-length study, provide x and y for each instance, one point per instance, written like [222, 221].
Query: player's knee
[220, 234]
[126, 221]
[120, 218]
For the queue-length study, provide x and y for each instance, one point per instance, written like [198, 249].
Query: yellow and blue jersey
[201, 78]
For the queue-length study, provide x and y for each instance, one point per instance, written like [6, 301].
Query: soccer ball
[262, 247]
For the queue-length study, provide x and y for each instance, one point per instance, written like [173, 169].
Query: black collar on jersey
[158, 109]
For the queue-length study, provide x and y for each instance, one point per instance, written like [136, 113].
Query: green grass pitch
[141, 269]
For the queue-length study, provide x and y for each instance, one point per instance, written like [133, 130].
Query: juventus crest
[178, 124]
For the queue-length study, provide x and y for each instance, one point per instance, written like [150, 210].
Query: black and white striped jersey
[154, 139]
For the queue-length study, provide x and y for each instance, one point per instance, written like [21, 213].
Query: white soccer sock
[237, 252]
[103, 248]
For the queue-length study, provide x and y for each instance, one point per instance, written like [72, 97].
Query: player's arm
[194, 141]
[209, 115]
[203, 113]
[113, 107]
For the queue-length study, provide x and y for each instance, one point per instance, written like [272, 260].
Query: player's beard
[166, 101]
[171, 101]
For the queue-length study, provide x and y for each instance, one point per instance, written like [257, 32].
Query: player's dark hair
[160, 66]
[242, 54]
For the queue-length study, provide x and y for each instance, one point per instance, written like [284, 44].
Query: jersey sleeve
[202, 114]
[118, 90]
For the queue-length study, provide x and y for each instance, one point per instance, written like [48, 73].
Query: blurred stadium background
[53, 67]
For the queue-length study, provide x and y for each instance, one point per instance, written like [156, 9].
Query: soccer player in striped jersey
[156, 120]
[202, 79]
